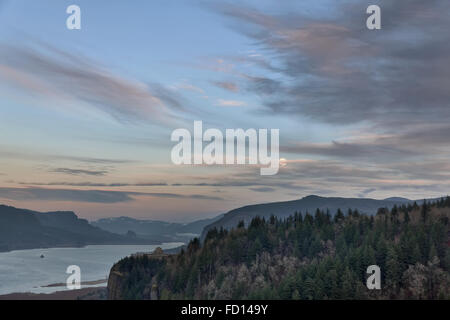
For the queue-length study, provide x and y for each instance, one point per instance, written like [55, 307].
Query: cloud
[241, 180]
[91, 160]
[168, 97]
[345, 176]
[230, 86]
[335, 171]
[4, 153]
[238, 182]
[365, 192]
[204, 197]
[189, 87]
[91, 196]
[45, 71]
[230, 103]
[385, 92]
[95, 184]
[79, 172]
[262, 85]
[331, 68]
[263, 189]
[372, 151]
[420, 142]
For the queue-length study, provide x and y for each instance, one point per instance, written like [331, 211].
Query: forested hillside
[310, 203]
[305, 256]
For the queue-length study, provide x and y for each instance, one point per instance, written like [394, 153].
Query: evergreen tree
[406, 217]
[393, 270]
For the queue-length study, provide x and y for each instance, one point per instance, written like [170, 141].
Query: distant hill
[26, 229]
[307, 204]
[400, 199]
[155, 230]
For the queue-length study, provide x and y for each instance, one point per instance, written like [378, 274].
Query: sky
[86, 115]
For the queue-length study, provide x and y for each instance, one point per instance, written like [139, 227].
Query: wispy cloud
[79, 172]
[95, 184]
[335, 70]
[184, 85]
[263, 189]
[45, 71]
[331, 70]
[230, 103]
[12, 154]
[230, 86]
[90, 196]
[40, 194]
[431, 137]
[365, 192]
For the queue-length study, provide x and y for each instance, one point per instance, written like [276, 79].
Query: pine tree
[347, 284]
[424, 211]
[392, 267]
[339, 216]
[406, 217]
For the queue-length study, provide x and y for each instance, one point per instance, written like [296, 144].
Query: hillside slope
[156, 230]
[306, 204]
[26, 229]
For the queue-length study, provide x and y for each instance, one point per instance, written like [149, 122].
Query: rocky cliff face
[125, 276]
[117, 286]
[115, 283]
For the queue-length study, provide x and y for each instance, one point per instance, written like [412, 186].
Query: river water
[26, 271]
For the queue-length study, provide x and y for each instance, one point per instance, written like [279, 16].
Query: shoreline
[90, 293]
[81, 246]
[83, 283]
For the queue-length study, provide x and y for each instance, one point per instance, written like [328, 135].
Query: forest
[312, 256]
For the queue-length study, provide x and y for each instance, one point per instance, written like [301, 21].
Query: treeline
[307, 256]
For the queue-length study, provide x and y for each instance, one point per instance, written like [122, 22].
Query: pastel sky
[86, 115]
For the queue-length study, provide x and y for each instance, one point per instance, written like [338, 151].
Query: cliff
[142, 266]
[115, 283]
